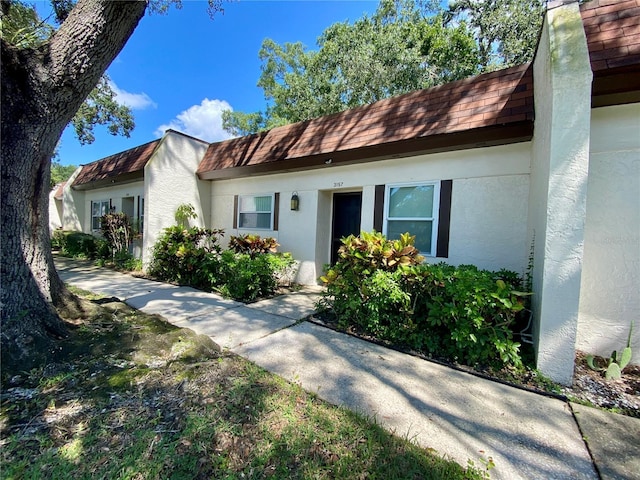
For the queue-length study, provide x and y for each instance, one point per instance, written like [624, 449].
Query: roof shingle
[129, 163]
[59, 191]
[494, 99]
[613, 33]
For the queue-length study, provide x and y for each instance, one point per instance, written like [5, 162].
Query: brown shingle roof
[613, 32]
[612, 28]
[500, 104]
[59, 189]
[123, 166]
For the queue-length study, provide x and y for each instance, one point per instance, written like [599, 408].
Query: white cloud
[202, 121]
[135, 101]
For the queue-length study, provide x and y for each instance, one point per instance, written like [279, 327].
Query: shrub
[465, 314]
[462, 313]
[363, 288]
[116, 230]
[253, 244]
[78, 244]
[194, 257]
[246, 277]
[183, 214]
[369, 252]
[187, 256]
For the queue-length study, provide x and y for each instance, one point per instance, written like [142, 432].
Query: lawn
[130, 396]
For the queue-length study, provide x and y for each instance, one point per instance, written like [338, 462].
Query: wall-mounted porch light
[295, 201]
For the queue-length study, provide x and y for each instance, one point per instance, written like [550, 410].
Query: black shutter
[235, 211]
[276, 210]
[444, 219]
[378, 208]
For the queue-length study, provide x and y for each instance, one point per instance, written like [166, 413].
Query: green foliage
[194, 257]
[116, 230]
[616, 362]
[404, 46]
[396, 50]
[248, 277]
[506, 31]
[461, 313]
[102, 108]
[184, 213]
[60, 173]
[253, 244]
[21, 27]
[187, 256]
[79, 245]
[465, 314]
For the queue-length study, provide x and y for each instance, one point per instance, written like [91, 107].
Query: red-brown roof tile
[128, 163]
[613, 33]
[59, 189]
[489, 100]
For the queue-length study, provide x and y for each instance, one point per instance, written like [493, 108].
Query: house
[147, 183]
[55, 206]
[534, 168]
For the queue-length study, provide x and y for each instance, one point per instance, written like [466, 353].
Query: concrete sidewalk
[528, 436]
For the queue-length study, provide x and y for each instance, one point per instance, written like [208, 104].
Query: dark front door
[347, 208]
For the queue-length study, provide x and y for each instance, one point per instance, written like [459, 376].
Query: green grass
[100, 415]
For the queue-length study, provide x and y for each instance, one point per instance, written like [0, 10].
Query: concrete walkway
[528, 436]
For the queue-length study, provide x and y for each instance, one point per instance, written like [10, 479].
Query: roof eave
[616, 86]
[494, 135]
[123, 179]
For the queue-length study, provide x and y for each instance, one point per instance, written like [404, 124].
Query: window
[256, 211]
[413, 208]
[98, 209]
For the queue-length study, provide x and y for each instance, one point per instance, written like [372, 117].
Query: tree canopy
[60, 173]
[22, 28]
[403, 46]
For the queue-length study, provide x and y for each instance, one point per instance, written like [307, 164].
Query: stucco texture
[610, 294]
[489, 204]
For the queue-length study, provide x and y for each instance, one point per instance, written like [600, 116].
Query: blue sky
[182, 69]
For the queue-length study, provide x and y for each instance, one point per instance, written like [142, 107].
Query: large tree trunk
[41, 91]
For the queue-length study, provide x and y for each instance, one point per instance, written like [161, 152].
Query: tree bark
[42, 88]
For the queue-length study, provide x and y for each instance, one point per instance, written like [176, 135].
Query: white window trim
[240, 211]
[434, 218]
[93, 202]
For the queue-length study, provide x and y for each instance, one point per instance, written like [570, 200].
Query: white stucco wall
[169, 181]
[557, 203]
[490, 191]
[115, 194]
[55, 211]
[610, 293]
[72, 205]
[488, 222]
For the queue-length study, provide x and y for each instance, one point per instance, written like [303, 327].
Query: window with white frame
[255, 211]
[413, 208]
[98, 209]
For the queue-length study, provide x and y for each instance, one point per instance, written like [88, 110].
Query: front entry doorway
[347, 209]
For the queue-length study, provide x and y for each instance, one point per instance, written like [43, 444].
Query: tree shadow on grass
[125, 398]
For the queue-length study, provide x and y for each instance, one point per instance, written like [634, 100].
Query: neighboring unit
[147, 183]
